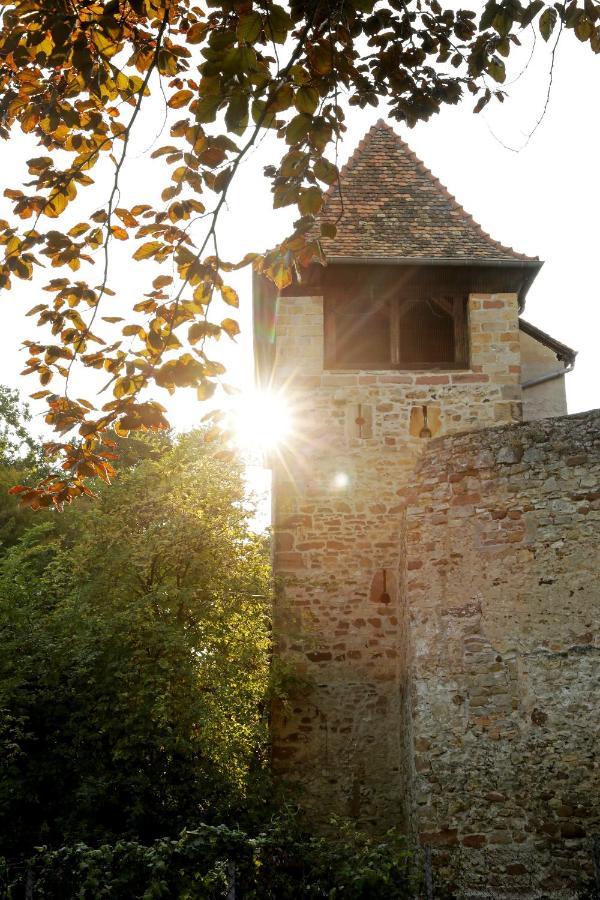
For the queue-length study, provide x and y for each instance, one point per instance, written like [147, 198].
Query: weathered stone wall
[541, 401]
[339, 530]
[503, 531]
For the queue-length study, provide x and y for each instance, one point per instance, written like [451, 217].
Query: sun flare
[261, 420]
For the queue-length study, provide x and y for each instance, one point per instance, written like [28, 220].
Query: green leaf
[206, 108]
[584, 27]
[278, 24]
[306, 100]
[298, 129]
[488, 15]
[249, 28]
[326, 171]
[531, 12]
[547, 23]
[236, 117]
[497, 70]
[311, 200]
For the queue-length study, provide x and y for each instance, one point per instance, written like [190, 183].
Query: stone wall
[438, 607]
[503, 531]
[339, 532]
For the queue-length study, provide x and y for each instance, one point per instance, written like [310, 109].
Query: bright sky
[542, 200]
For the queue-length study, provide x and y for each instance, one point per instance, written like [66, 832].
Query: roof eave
[436, 261]
[562, 351]
[530, 267]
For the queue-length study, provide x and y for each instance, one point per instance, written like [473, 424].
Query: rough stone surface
[439, 607]
[505, 652]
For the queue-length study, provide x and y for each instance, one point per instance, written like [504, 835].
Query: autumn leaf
[180, 98]
[229, 296]
[230, 327]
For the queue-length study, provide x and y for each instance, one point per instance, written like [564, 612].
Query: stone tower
[409, 335]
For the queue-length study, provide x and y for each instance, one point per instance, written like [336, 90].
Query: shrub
[280, 863]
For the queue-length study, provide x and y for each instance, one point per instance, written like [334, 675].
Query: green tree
[134, 662]
[75, 75]
[21, 458]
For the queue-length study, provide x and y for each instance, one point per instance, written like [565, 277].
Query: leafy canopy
[134, 664]
[76, 75]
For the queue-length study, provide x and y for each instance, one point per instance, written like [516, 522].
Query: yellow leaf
[161, 281]
[146, 251]
[205, 389]
[180, 98]
[230, 327]
[229, 296]
[78, 230]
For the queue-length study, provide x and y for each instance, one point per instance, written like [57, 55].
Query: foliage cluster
[134, 681]
[212, 862]
[75, 76]
[135, 656]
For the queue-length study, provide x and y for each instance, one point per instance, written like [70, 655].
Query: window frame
[457, 305]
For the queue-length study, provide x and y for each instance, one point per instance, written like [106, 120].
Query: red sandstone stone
[474, 840]
[319, 656]
[289, 561]
[283, 541]
[516, 869]
[470, 379]
[439, 838]
[432, 379]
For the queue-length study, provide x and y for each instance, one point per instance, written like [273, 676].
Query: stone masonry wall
[503, 534]
[340, 620]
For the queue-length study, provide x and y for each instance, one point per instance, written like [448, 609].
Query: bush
[210, 862]
[134, 661]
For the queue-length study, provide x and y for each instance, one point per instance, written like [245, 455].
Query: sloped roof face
[563, 352]
[394, 208]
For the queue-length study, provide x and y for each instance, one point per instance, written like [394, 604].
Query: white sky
[543, 200]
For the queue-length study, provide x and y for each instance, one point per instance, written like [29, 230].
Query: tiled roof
[393, 207]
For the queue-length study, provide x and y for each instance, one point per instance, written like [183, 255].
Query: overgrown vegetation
[281, 862]
[134, 693]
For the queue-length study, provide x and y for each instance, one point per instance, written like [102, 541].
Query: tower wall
[339, 524]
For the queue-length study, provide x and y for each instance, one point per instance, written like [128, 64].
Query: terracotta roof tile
[393, 207]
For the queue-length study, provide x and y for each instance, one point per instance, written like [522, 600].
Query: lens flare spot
[261, 420]
[341, 481]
